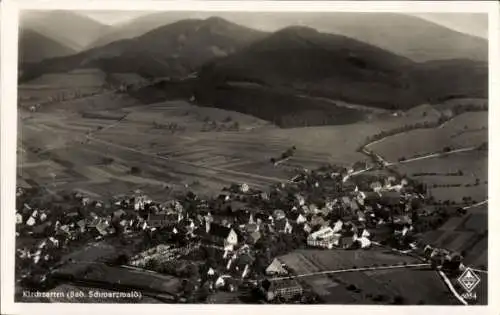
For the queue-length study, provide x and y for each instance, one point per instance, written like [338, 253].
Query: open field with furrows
[167, 143]
[128, 78]
[311, 260]
[473, 165]
[366, 287]
[461, 102]
[466, 130]
[412, 286]
[467, 234]
[53, 85]
[133, 278]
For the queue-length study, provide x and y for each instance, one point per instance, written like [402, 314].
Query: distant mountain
[70, 29]
[136, 27]
[303, 61]
[172, 50]
[405, 35]
[34, 47]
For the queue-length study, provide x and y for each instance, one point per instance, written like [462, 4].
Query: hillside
[34, 47]
[68, 28]
[405, 35]
[337, 67]
[136, 27]
[173, 50]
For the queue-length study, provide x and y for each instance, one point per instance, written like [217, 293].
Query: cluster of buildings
[328, 209]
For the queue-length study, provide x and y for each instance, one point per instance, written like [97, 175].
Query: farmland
[467, 234]
[367, 287]
[465, 130]
[174, 143]
[471, 167]
[109, 144]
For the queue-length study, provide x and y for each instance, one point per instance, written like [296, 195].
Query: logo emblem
[469, 280]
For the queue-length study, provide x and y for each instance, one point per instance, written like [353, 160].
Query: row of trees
[213, 126]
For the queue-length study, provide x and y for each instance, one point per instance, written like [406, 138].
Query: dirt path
[353, 270]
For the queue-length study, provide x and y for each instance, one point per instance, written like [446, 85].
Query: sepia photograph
[246, 157]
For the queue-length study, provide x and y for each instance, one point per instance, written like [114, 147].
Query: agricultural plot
[472, 180]
[74, 79]
[367, 287]
[306, 261]
[467, 235]
[132, 278]
[167, 143]
[128, 78]
[466, 130]
[57, 85]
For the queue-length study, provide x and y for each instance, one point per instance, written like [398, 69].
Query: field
[54, 85]
[367, 287]
[175, 144]
[467, 234]
[473, 166]
[466, 130]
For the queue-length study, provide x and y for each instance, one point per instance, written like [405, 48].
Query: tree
[135, 170]
[193, 272]
[235, 126]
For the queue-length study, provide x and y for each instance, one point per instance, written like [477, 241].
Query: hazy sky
[470, 23]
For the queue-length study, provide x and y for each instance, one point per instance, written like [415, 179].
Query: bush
[107, 160]
[135, 170]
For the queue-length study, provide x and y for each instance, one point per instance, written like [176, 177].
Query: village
[230, 243]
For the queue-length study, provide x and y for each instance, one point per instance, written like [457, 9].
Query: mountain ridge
[390, 31]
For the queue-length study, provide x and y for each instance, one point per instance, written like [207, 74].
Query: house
[253, 237]
[337, 227]
[300, 199]
[318, 220]
[278, 215]
[221, 235]
[347, 241]
[362, 238]
[307, 228]
[283, 226]
[163, 220]
[103, 228]
[286, 289]
[276, 268]
[242, 264]
[244, 188]
[31, 221]
[232, 206]
[297, 218]
[225, 282]
[82, 225]
[252, 227]
[118, 214]
[324, 238]
[19, 218]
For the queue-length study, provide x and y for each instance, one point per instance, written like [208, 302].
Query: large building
[286, 289]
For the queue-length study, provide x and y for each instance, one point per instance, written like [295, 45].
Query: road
[352, 270]
[433, 155]
[477, 204]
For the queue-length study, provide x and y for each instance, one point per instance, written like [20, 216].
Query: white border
[9, 127]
